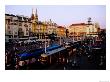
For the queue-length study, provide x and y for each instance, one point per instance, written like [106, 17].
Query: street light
[13, 32]
[60, 40]
[73, 39]
[45, 37]
[45, 45]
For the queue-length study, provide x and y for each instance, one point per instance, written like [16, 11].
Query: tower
[36, 16]
[32, 16]
[34, 19]
[33, 22]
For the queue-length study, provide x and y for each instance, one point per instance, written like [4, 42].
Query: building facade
[82, 30]
[11, 26]
[61, 31]
[24, 25]
[19, 26]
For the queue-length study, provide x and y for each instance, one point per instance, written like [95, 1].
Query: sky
[63, 15]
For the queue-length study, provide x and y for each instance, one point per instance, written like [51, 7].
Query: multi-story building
[45, 28]
[81, 30]
[24, 26]
[42, 29]
[51, 27]
[17, 26]
[61, 31]
[11, 26]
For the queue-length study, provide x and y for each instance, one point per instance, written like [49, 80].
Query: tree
[102, 35]
[67, 32]
[52, 36]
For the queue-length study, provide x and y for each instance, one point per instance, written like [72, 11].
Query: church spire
[32, 16]
[32, 11]
[36, 16]
[36, 11]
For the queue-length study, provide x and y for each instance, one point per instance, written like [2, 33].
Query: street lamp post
[45, 38]
[45, 45]
[73, 39]
[60, 40]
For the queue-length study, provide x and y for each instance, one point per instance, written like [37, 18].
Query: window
[9, 32]
[8, 27]
[20, 29]
[20, 24]
[29, 29]
[26, 29]
[26, 25]
[8, 21]
[15, 32]
[15, 23]
[27, 33]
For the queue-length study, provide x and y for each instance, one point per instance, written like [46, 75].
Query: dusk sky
[62, 14]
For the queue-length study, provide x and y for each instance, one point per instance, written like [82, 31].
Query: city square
[33, 44]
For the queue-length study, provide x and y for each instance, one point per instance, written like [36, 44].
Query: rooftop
[77, 24]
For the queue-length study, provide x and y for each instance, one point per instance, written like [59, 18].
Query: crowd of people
[83, 48]
[12, 49]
